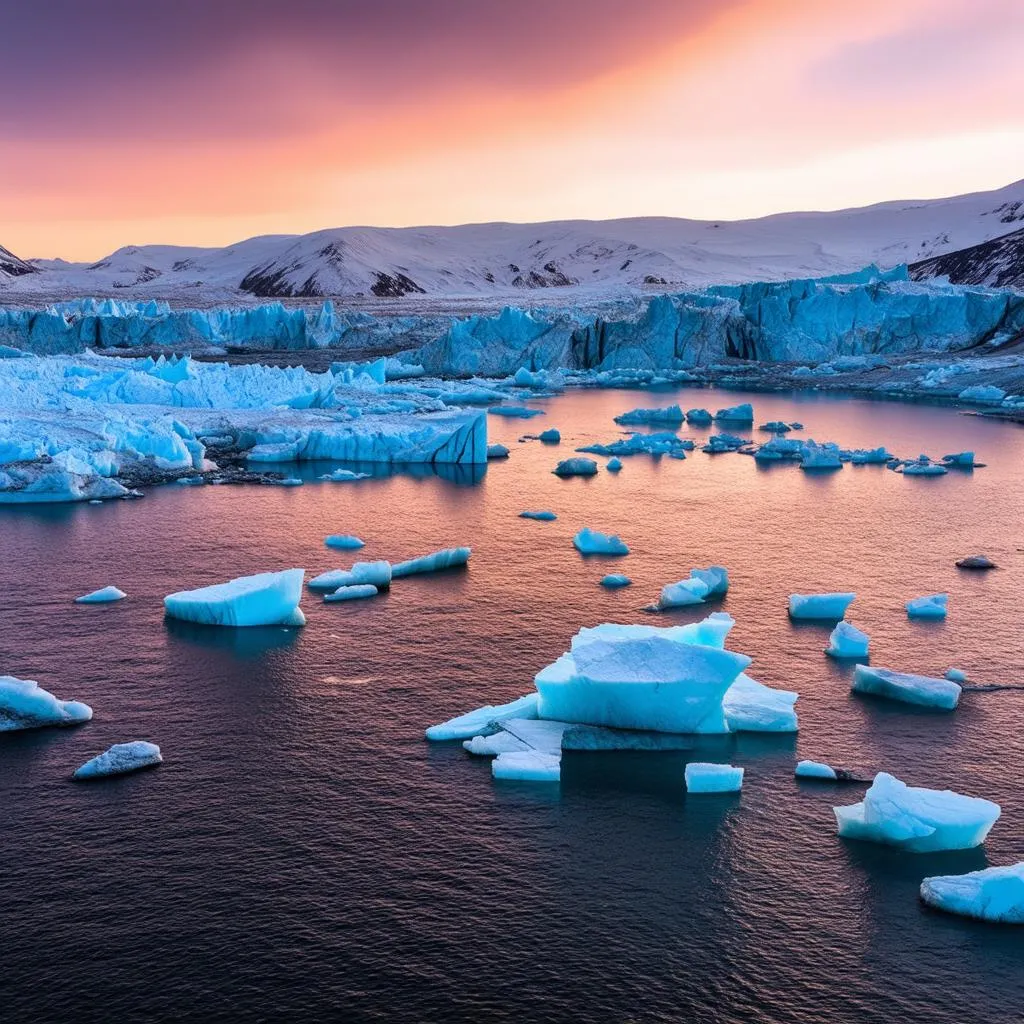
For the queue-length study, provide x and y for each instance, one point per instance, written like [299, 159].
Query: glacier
[992, 894]
[120, 759]
[266, 599]
[24, 704]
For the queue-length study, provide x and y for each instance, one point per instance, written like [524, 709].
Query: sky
[203, 122]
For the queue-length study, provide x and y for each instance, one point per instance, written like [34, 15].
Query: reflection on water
[302, 849]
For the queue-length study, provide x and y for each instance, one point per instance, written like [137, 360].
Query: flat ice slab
[702, 777]
[993, 894]
[823, 607]
[527, 766]
[543, 516]
[344, 542]
[615, 580]
[815, 770]
[934, 606]
[847, 641]
[266, 599]
[104, 596]
[484, 721]
[593, 542]
[449, 558]
[917, 820]
[911, 689]
[353, 593]
[375, 574]
[120, 759]
[24, 704]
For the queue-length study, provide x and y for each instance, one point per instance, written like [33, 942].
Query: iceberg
[992, 894]
[820, 456]
[376, 574]
[917, 820]
[344, 541]
[957, 675]
[670, 415]
[353, 592]
[615, 580]
[703, 777]
[437, 561]
[591, 542]
[815, 770]
[551, 436]
[484, 721]
[736, 414]
[342, 476]
[982, 394]
[576, 467]
[718, 444]
[267, 599]
[614, 464]
[931, 607]
[821, 607]
[976, 562]
[847, 641]
[685, 592]
[962, 460]
[104, 596]
[497, 451]
[120, 759]
[716, 577]
[527, 766]
[698, 417]
[543, 516]
[751, 706]
[24, 704]
[903, 686]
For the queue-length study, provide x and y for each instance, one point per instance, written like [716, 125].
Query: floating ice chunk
[976, 562]
[615, 580]
[716, 577]
[517, 412]
[871, 456]
[342, 476]
[290, 481]
[961, 459]
[751, 706]
[497, 451]
[671, 414]
[543, 517]
[267, 599]
[721, 443]
[527, 766]
[24, 704]
[104, 596]
[614, 464]
[775, 427]
[352, 593]
[591, 542]
[820, 456]
[847, 641]
[823, 607]
[344, 541]
[684, 593]
[576, 466]
[551, 436]
[703, 777]
[662, 442]
[992, 894]
[906, 687]
[639, 677]
[120, 759]
[931, 607]
[520, 734]
[736, 414]
[957, 675]
[917, 820]
[698, 417]
[924, 469]
[982, 394]
[449, 558]
[377, 574]
[484, 721]
[815, 770]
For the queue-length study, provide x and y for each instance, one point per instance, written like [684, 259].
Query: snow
[24, 704]
[542, 516]
[266, 599]
[822, 607]
[992, 894]
[352, 592]
[931, 607]
[576, 467]
[669, 415]
[592, 542]
[120, 759]
[377, 574]
[917, 820]
[904, 686]
[615, 580]
[703, 777]
[437, 561]
[847, 641]
[815, 770]
[614, 464]
[527, 766]
[484, 721]
[103, 596]
[344, 541]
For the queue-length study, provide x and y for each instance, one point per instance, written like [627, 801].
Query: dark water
[304, 854]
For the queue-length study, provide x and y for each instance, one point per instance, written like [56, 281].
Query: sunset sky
[206, 121]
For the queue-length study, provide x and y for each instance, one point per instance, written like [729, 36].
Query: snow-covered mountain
[653, 253]
[11, 266]
[997, 264]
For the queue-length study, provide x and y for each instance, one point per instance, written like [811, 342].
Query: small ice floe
[976, 562]
[815, 770]
[592, 542]
[820, 607]
[703, 777]
[669, 415]
[576, 466]
[961, 460]
[923, 466]
[120, 759]
[516, 412]
[376, 574]
[698, 417]
[497, 451]
[719, 444]
[819, 457]
[527, 766]
[289, 481]
[680, 595]
[551, 436]
[342, 476]
[871, 456]
[917, 820]
[931, 607]
[104, 596]
[957, 675]
[982, 394]
[266, 599]
[736, 414]
[484, 721]
[662, 442]
[847, 641]
[775, 427]
[926, 691]
[352, 593]
[992, 894]
[614, 581]
[344, 542]
[542, 516]
[614, 464]
[436, 561]
[24, 704]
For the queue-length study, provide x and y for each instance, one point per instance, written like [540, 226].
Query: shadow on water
[243, 642]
